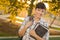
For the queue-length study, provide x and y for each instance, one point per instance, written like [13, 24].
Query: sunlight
[28, 2]
[18, 0]
[47, 5]
[18, 22]
[20, 18]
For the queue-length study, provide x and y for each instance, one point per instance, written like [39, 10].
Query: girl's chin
[38, 17]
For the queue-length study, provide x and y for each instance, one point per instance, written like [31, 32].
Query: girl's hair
[40, 5]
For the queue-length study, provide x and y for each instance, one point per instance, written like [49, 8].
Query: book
[41, 30]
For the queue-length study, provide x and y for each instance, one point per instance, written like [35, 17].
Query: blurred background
[13, 12]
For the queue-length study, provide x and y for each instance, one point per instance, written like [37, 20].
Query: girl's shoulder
[43, 22]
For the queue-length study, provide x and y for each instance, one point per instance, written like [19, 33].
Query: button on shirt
[27, 35]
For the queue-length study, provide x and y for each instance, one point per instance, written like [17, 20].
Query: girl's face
[38, 12]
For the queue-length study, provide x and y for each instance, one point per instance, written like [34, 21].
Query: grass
[51, 38]
[54, 38]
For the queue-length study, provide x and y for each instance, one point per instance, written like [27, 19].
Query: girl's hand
[33, 34]
[28, 24]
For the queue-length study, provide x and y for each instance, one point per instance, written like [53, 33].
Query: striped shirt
[27, 35]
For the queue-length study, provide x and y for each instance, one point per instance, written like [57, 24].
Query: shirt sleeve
[24, 23]
[43, 22]
[46, 36]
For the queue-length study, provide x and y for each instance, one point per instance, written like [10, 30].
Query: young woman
[26, 30]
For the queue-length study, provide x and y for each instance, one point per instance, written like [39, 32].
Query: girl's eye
[42, 11]
[38, 9]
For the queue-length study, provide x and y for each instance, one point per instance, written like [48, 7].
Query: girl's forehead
[40, 9]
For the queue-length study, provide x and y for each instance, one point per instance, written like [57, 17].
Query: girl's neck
[37, 19]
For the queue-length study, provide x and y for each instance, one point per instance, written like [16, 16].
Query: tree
[4, 6]
[53, 9]
[30, 8]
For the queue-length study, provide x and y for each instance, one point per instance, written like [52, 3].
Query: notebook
[41, 30]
